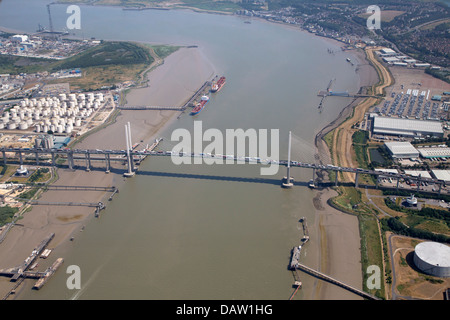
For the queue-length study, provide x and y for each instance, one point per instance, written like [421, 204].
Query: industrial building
[387, 52]
[443, 175]
[401, 150]
[406, 127]
[418, 173]
[433, 258]
[434, 152]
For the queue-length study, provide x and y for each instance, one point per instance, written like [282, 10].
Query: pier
[324, 277]
[295, 257]
[295, 265]
[182, 108]
[20, 273]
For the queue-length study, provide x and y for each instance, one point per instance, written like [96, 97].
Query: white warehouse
[401, 150]
[406, 127]
[433, 258]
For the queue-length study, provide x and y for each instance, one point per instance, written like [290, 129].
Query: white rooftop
[435, 253]
[407, 125]
[402, 148]
[417, 173]
[434, 152]
[441, 174]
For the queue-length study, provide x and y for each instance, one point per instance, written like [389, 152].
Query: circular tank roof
[434, 253]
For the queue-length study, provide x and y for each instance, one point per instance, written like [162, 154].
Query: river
[200, 231]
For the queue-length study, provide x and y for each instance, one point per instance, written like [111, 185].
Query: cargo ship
[199, 107]
[216, 86]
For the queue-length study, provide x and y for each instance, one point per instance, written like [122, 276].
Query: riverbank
[340, 253]
[172, 83]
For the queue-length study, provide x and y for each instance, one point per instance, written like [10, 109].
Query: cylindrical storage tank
[23, 126]
[36, 116]
[38, 128]
[29, 121]
[23, 104]
[22, 115]
[12, 126]
[69, 128]
[16, 119]
[45, 128]
[72, 97]
[62, 96]
[59, 128]
[52, 127]
[77, 122]
[72, 104]
[433, 258]
[2, 126]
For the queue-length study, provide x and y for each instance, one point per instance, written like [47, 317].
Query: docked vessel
[216, 86]
[199, 107]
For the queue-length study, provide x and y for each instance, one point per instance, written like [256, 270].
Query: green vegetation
[164, 51]
[38, 175]
[440, 74]
[6, 214]
[107, 53]
[27, 195]
[395, 225]
[360, 146]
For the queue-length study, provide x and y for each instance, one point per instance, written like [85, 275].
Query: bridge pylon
[288, 181]
[130, 172]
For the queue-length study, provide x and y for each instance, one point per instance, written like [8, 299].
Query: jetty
[188, 103]
[295, 265]
[20, 273]
[295, 257]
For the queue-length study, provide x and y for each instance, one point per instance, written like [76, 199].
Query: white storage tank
[433, 258]
[12, 126]
[77, 122]
[45, 128]
[38, 128]
[2, 126]
[23, 126]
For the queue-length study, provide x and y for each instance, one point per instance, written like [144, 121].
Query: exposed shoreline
[146, 125]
